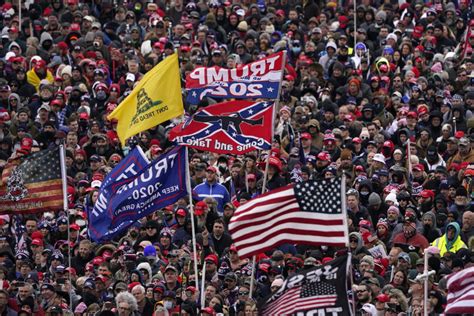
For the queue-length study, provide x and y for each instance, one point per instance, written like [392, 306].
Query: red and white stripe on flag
[461, 292]
[291, 302]
[276, 217]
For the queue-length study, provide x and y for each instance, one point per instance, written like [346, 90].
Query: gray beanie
[374, 199]
[382, 15]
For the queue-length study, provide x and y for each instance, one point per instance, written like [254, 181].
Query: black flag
[318, 291]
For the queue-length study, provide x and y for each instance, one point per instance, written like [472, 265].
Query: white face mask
[168, 304]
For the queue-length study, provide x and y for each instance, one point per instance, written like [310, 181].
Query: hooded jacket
[45, 36]
[17, 97]
[445, 245]
[431, 232]
[360, 245]
[145, 266]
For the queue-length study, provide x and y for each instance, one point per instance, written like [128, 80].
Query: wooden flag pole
[191, 211]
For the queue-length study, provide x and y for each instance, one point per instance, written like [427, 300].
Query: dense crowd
[388, 100]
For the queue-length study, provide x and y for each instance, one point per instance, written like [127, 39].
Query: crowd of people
[382, 91]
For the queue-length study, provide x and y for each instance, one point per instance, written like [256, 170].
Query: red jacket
[417, 241]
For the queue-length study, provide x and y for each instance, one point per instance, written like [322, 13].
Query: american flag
[317, 288]
[33, 184]
[461, 292]
[312, 295]
[309, 212]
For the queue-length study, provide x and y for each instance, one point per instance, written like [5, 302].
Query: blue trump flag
[136, 190]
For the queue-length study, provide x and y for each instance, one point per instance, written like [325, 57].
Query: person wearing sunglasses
[242, 298]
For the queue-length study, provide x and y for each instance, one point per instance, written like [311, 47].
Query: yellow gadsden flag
[155, 99]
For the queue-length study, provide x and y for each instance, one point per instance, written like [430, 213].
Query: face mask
[101, 95]
[168, 304]
[49, 135]
[364, 193]
[75, 96]
[101, 150]
[47, 45]
[342, 57]
[222, 168]
[296, 50]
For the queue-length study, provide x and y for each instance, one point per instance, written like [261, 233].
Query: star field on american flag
[319, 196]
[41, 166]
[317, 288]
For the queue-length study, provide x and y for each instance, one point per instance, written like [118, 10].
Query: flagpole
[425, 272]
[351, 280]
[191, 211]
[355, 26]
[409, 159]
[203, 280]
[344, 208]
[267, 164]
[19, 15]
[277, 101]
[62, 159]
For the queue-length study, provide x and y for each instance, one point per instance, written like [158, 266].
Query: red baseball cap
[98, 261]
[324, 156]
[37, 235]
[211, 169]
[412, 114]
[75, 27]
[306, 136]
[427, 194]
[359, 168]
[383, 298]
[37, 242]
[56, 102]
[251, 177]
[422, 110]
[74, 227]
[280, 13]
[191, 289]
[181, 212]
[200, 207]
[213, 258]
[357, 140]
[419, 167]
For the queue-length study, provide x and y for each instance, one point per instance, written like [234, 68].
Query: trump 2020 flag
[461, 292]
[318, 291]
[155, 99]
[235, 127]
[136, 192]
[259, 79]
[308, 212]
[32, 184]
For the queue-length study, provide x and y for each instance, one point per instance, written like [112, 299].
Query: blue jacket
[216, 191]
